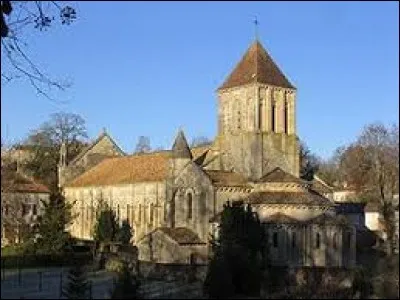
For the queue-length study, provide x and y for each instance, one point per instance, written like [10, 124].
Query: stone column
[291, 113]
[267, 110]
[280, 116]
[257, 108]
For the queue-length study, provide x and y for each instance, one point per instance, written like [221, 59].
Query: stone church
[173, 198]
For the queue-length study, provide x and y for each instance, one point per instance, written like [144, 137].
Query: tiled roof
[308, 197]
[280, 218]
[321, 219]
[372, 207]
[320, 187]
[17, 183]
[329, 219]
[226, 178]
[256, 66]
[278, 175]
[181, 235]
[127, 169]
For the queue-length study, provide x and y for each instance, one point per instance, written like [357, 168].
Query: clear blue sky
[143, 68]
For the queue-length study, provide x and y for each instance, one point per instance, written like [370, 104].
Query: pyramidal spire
[256, 65]
[181, 149]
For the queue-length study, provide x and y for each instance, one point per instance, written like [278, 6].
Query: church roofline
[98, 139]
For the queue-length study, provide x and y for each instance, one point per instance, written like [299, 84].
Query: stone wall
[296, 245]
[172, 271]
[142, 204]
[160, 248]
[248, 141]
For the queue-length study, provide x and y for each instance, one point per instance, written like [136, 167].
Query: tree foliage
[124, 234]
[309, 162]
[238, 253]
[106, 228]
[77, 285]
[51, 236]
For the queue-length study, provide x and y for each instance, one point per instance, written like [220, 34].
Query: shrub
[126, 286]
[77, 285]
[115, 264]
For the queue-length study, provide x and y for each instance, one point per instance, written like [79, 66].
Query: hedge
[32, 261]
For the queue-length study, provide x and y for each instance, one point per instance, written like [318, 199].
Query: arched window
[317, 240]
[239, 119]
[285, 117]
[293, 239]
[151, 213]
[335, 240]
[273, 116]
[275, 239]
[189, 205]
[348, 241]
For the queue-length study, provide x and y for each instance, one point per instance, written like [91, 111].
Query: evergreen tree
[124, 233]
[238, 253]
[106, 228]
[51, 235]
[77, 284]
[126, 286]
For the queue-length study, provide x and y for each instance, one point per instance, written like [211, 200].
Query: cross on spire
[256, 27]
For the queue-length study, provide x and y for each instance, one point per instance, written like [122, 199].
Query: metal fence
[48, 284]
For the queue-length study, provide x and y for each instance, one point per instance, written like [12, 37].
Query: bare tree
[143, 145]
[46, 141]
[15, 225]
[200, 141]
[17, 16]
[371, 165]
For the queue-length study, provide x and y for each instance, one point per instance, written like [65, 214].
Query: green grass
[11, 250]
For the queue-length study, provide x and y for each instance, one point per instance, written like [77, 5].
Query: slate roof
[256, 66]
[226, 178]
[180, 147]
[182, 235]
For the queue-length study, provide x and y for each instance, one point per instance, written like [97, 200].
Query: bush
[223, 287]
[12, 250]
[115, 264]
[126, 286]
[54, 260]
[77, 286]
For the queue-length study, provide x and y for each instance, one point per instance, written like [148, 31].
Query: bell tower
[257, 117]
